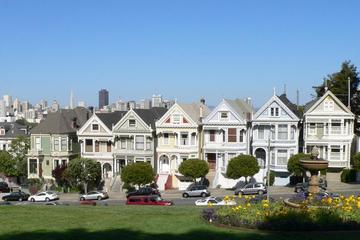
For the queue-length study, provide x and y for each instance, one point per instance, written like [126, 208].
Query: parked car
[148, 200]
[214, 201]
[251, 188]
[4, 187]
[144, 191]
[195, 190]
[16, 196]
[305, 185]
[94, 195]
[44, 196]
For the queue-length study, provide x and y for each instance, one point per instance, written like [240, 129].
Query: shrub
[348, 175]
[242, 166]
[194, 168]
[139, 173]
[356, 161]
[294, 166]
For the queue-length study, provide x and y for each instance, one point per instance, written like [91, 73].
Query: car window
[134, 200]
[249, 186]
[213, 201]
[41, 194]
[258, 185]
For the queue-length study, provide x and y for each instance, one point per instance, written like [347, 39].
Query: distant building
[25, 106]
[103, 98]
[2, 108]
[55, 106]
[121, 105]
[17, 105]
[145, 104]
[131, 105]
[156, 101]
[10, 131]
[8, 100]
[82, 104]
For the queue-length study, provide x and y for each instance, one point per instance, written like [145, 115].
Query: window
[95, 127]
[184, 139]
[335, 152]
[193, 139]
[176, 119]
[123, 143]
[139, 142]
[56, 144]
[56, 163]
[38, 143]
[335, 126]
[63, 162]
[108, 146]
[312, 129]
[139, 159]
[261, 132]
[132, 123]
[148, 160]
[283, 132]
[274, 111]
[63, 144]
[282, 157]
[232, 135]
[88, 145]
[131, 143]
[33, 166]
[328, 105]
[292, 132]
[166, 138]
[97, 146]
[212, 135]
[223, 115]
[272, 157]
[242, 135]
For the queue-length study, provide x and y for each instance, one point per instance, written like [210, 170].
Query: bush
[242, 166]
[348, 175]
[294, 166]
[35, 185]
[139, 174]
[356, 161]
[194, 168]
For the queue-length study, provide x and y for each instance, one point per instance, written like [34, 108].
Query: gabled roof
[290, 105]
[63, 121]
[240, 107]
[110, 119]
[150, 116]
[193, 110]
[13, 130]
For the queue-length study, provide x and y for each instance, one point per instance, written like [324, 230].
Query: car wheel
[32, 200]
[261, 192]
[99, 198]
[20, 199]
[203, 194]
[47, 199]
[240, 193]
[82, 199]
[185, 195]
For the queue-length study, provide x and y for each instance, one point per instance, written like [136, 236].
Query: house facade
[275, 137]
[54, 142]
[179, 136]
[10, 131]
[329, 125]
[226, 135]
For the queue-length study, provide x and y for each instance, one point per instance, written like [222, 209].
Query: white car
[214, 201]
[43, 197]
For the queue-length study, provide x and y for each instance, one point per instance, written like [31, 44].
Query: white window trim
[92, 127]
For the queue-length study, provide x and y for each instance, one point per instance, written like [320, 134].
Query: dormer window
[95, 127]
[274, 112]
[328, 105]
[176, 119]
[132, 123]
[223, 115]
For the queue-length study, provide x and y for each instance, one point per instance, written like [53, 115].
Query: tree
[7, 164]
[194, 168]
[242, 166]
[83, 171]
[294, 166]
[139, 174]
[338, 84]
[58, 174]
[356, 161]
[18, 150]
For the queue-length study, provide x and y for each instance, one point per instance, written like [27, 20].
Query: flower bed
[336, 214]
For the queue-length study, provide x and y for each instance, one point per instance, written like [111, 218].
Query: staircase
[161, 181]
[116, 184]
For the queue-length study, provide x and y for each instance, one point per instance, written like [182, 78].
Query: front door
[211, 158]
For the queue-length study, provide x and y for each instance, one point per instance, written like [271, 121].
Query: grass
[127, 222]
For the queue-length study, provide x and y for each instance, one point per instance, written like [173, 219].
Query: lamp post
[268, 170]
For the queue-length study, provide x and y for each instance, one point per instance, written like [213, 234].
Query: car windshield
[218, 199]
[156, 199]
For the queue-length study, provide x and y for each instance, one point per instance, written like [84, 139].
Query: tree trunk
[85, 187]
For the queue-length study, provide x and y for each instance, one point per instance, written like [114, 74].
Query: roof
[290, 105]
[193, 110]
[150, 116]
[110, 119]
[240, 107]
[63, 121]
[13, 130]
[308, 105]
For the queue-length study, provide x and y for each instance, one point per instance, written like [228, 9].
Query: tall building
[55, 106]
[2, 108]
[145, 104]
[131, 105]
[8, 100]
[156, 101]
[17, 105]
[103, 98]
[25, 106]
[72, 100]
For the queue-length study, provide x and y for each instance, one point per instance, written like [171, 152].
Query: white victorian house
[329, 125]
[226, 135]
[179, 139]
[275, 135]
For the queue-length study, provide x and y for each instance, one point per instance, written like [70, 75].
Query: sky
[182, 49]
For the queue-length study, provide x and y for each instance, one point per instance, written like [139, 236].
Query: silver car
[94, 195]
[196, 191]
[251, 188]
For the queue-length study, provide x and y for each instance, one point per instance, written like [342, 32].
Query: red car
[148, 200]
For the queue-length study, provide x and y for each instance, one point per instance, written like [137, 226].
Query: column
[189, 138]
[145, 145]
[38, 167]
[342, 132]
[330, 130]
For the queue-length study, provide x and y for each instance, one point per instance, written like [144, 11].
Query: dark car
[16, 196]
[148, 200]
[143, 192]
[4, 187]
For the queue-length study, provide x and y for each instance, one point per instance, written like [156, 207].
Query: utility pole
[349, 106]
[268, 169]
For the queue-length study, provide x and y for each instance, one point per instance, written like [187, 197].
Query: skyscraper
[103, 98]
[72, 100]
[156, 101]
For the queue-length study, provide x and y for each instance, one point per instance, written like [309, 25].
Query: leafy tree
[18, 150]
[194, 168]
[139, 174]
[338, 84]
[294, 166]
[242, 166]
[58, 174]
[83, 171]
[7, 164]
[356, 161]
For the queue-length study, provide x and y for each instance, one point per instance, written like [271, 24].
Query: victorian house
[135, 137]
[226, 135]
[179, 134]
[97, 141]
[54, 142]
[275, 137]
[329, 125]
[10, 131]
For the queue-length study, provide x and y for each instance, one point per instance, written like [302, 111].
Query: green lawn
[127, 222]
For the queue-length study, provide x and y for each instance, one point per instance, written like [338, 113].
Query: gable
[275, 109]
[94, 126]
[223, 114]
[175, 117]
[131, 122]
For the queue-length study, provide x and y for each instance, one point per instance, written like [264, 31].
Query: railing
[35, 152]
[337, 163]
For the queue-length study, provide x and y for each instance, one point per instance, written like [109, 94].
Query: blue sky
[180, 49]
